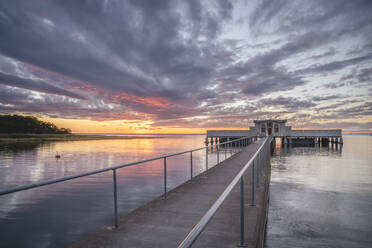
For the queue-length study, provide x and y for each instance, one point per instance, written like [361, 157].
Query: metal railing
[258, 159]
[233, 146]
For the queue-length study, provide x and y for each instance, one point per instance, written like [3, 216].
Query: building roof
[270, 120]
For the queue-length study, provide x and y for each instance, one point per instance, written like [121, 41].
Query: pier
[197, 205]
[278, 130]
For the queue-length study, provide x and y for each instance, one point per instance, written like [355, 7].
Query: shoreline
[39, 138]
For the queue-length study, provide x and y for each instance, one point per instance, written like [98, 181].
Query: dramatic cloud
[287, 103]
[187, 63]
[36, 85]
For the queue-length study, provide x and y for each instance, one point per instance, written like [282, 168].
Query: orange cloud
[160, 102]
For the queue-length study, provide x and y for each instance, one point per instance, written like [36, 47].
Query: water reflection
[320, 196]
[15, 147]
[43, 217]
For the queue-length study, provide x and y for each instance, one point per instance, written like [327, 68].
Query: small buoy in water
[57, 155]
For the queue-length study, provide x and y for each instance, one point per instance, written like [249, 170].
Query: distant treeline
[28, 124]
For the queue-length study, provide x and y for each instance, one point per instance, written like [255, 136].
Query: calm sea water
[322, 197]
[56, 215]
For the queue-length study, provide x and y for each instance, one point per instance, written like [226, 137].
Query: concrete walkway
[165, 223]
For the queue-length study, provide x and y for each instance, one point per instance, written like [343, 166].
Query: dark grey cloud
[337, 65]
[18, 100]
[343, 16]
[359, 76]
[134, 46]
[361, 110]
[169, 61]
[264, 76]
[339, 112]
[36, 85]
[338, 104]
[143, 48]
[289, 103]
[335, 85]
[331, 51]
[326, 98]
[320, 29]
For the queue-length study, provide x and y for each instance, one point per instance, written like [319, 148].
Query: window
[276, 128]
[263, 130]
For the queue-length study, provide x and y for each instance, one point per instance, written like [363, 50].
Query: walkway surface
[165, 223]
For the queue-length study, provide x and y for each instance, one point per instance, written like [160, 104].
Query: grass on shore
[12, 138]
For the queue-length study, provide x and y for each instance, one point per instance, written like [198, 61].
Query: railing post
[165, 177]
[258, 159]
[206, 159]
[218, 155]
[252, 200]
[241, 244]
[115, 201]
[258, 173]
[225, 152]
[262, 161]
[191, 166]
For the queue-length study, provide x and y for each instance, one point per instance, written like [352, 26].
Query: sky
[140, 66]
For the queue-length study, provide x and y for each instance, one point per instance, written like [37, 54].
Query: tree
[28, 124]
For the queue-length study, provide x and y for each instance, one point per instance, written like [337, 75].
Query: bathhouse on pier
[279, 130]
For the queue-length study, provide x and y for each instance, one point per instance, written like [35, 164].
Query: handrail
[238, 143]
[200, 226]
[62, 179]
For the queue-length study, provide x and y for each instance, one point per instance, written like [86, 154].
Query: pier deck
[165, 223]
